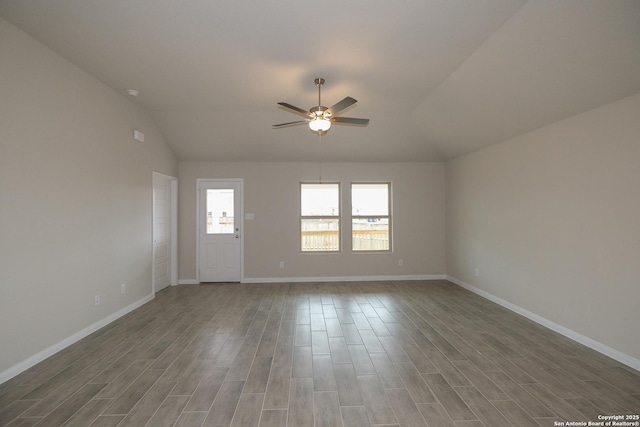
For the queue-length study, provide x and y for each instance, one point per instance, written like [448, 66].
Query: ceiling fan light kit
[320, 118]
[319, 125]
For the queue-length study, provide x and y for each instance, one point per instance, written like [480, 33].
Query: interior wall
[75, 199]
[272, 194]
[551, 221]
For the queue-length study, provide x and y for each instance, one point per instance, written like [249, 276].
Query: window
[220, 216]
[320, 217]
[371, 216]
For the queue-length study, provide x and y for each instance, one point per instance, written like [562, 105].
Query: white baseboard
[341, 278]
[569, 333]
[50, 351]
[327, 279]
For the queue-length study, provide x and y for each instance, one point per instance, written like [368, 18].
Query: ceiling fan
[320, 118]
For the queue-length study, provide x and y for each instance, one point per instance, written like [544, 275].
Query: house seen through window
[320, 217]
[370, 216]
[220, 211]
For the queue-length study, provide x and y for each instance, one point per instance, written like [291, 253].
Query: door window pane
[220, 212]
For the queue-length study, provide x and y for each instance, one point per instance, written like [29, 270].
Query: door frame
[173, 249]
[200, 220]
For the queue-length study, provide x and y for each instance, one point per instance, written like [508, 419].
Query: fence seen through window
[370, 216]
[320, 217]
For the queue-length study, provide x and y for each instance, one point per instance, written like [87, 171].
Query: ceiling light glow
[319, 125]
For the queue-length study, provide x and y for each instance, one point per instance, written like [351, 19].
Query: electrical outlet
[477, 272]
[96, 300]
[281, 264]
[400, 263]
[123, 288]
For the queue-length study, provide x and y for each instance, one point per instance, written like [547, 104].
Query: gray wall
[551, 220]
[272, 194]
[75, 198]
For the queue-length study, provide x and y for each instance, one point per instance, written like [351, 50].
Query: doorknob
[237, 236]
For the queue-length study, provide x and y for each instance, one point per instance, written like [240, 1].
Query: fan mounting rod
[318, 111]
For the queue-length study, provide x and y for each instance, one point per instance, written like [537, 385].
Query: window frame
[337, 217]
[389, 216]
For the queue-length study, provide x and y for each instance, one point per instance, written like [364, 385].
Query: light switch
[138, 136]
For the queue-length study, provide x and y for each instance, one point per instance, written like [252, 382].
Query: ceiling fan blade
[294, 109]
[284, 125]
[345, 103]
[350, 121]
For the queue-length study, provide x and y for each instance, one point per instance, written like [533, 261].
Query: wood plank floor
[321, 354]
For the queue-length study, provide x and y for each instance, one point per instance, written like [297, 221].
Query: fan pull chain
[320, 142]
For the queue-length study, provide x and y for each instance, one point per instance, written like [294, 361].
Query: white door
[220, 220]
[162, 262]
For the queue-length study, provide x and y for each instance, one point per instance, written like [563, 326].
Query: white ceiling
[437, 78]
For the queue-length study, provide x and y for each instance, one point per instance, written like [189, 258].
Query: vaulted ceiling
[437, 78]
